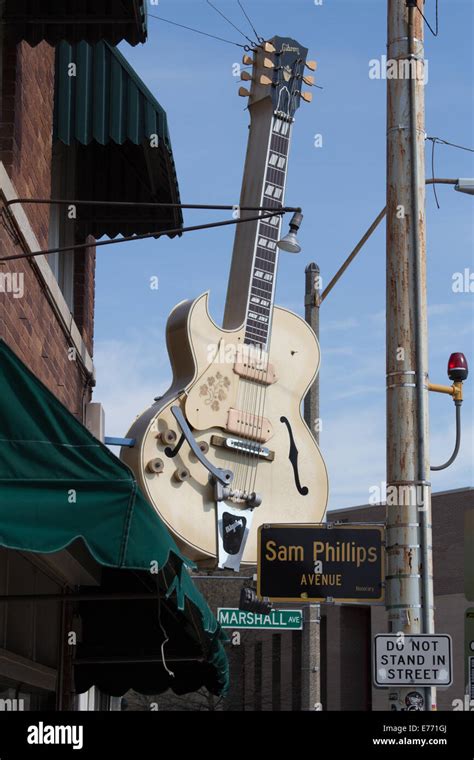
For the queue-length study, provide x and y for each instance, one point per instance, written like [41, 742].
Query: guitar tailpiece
[251, 500]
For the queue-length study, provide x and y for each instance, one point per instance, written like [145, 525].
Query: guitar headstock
[278, 72]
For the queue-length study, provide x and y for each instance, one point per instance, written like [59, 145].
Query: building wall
[27, 126]
[29, 320]
[55, 345]
[346, 681]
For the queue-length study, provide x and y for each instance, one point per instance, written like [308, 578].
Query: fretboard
[262, 290]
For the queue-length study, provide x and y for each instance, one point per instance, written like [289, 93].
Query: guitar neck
[265, 257]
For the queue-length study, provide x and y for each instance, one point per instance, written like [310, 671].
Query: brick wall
[30, 327]
[27, 126]
[29, 324]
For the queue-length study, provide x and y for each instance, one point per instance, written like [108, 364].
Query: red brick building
[54, 133]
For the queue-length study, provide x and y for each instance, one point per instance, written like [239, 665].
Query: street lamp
[290, 243]
[465, 186]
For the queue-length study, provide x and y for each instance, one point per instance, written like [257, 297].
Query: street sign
[412, 660]
[277, 620]
[316, 563]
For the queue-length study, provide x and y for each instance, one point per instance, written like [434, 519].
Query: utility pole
[311, 641]
[409, 556]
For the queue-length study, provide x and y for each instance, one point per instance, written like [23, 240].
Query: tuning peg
[246, 76]
[243, 92]
[269, 48]
[309, 80]
[268, 63]
[307, 96]
[312, 65]
[247, 60]
[263, 79]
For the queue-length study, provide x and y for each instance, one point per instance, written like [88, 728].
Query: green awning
[119, 135]
[75, 20]
[58, 484]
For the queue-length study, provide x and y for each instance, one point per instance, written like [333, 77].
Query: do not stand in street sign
[418, 660]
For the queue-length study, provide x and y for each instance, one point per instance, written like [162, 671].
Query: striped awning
[76, 20]
[119, 132]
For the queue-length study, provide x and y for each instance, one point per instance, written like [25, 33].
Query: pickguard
[293, 457]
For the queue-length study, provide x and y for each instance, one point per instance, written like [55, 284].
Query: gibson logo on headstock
[285, 48]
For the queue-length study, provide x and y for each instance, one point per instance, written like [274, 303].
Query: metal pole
[409, 560]
[352, 255]
[311, 642]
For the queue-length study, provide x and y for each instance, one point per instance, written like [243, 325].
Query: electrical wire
[198, 31]
[165, 635]
[435, 34]
[433, 144]
[452, 145]
[257, 36]
[457, 444]
[439, 140]
[141, 236]
[252, 42]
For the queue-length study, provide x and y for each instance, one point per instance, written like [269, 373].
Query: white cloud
[354, 450]
[358, 390]
[339, 351]
[129, 375]
[339, 324]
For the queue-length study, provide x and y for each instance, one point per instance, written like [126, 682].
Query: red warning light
[457, 367]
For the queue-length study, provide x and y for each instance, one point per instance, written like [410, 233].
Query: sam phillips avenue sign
[318, 562]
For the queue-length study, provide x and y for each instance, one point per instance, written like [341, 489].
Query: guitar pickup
[248, 425]
[248, 447]
[254, 368]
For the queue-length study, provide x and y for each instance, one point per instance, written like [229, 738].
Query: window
[61, 225]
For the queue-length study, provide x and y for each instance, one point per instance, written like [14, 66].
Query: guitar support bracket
[222, 478]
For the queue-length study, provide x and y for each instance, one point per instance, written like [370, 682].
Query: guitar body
[207, 385]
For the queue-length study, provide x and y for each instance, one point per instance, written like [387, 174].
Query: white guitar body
[206, 389]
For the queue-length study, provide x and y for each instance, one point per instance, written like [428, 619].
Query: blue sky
[341, 187]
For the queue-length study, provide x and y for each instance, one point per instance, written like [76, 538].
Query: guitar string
[259, 350]
[250, 394]
[254, 360]
[297, 68]
[238, 464]
[279, 145]
[262, 358]
[261, 354]
[258, 356]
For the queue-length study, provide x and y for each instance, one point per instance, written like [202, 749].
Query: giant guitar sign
[226, 449]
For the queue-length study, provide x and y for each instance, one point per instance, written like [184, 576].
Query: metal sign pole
[311, 649]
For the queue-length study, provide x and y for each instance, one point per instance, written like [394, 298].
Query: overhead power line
[198, 31]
